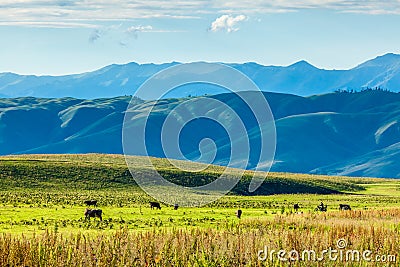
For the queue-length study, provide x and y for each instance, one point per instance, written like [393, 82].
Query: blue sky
[72, 36]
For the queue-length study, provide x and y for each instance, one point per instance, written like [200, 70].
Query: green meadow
[41, 198]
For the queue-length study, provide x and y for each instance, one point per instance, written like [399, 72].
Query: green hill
[99, 171]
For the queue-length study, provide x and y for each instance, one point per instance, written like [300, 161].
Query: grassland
[41, 216]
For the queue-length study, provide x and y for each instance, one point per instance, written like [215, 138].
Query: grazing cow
[296, 207]
[321, 207]
[91, 203]
[344, 207]
[155, 205]
[176, 206]
[239, 213]
[93, 213]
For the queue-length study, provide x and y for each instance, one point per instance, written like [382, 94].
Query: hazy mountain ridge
[300, 78]
[337, 133]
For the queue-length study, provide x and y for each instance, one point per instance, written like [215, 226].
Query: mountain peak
[389, 55]
[382, 61]
[302, 64]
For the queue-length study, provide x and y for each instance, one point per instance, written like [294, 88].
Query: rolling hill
[337, 133]
[300, 78]
[100, 171]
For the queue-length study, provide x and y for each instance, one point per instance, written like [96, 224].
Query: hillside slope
[99, 171]
[333, 133]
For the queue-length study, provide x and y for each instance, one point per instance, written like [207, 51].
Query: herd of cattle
[97, 213]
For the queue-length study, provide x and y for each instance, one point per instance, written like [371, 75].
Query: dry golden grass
[234, 244]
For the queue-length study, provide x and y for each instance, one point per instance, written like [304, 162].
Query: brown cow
[93, 213]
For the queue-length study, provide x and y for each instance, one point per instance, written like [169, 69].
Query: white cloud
[118, 32]
[227, 23]
[95, 35]
[99, 32]
[139, 28]
[279, 6]
[73, 11]
[134, 30]
[76, 13]
[48, 24]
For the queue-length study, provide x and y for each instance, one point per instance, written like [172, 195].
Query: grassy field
[42, 216]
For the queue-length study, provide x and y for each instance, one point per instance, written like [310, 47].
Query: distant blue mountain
[300, 78]
[335, 133]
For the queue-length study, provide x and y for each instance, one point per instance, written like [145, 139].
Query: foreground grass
[235, 244]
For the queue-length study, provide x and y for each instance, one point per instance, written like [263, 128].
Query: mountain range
[300, 78]
[341, 133]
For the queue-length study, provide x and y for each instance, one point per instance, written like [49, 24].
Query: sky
[57, 37]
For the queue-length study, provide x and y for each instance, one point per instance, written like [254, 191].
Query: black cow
[344, 207]
[155, 205]
[239, 213]
[296, 207]
[176, 206]
[91, 203]
[321, 207]
[93, 213]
